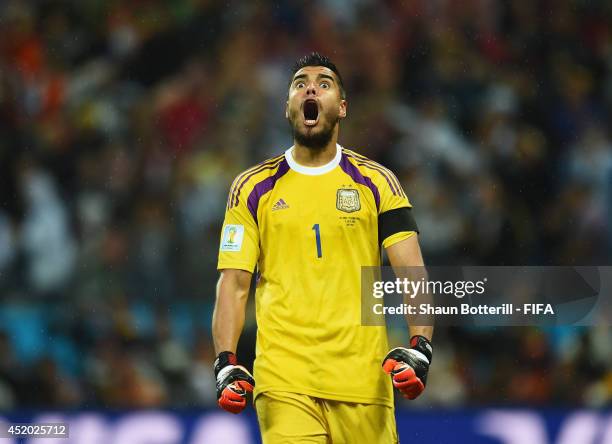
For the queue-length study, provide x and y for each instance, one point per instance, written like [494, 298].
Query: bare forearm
[426, 331]
[228, 321]
[230, 307]
[407, 262]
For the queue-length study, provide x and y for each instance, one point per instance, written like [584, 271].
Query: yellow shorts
[299, 419]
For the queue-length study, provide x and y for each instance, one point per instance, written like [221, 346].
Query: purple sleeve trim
[270, 164]
[356, 175]
[263, 187]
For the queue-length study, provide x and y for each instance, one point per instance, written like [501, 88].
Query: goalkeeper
[308, 220]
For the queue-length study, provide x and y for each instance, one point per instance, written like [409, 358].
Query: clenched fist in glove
[233, 383]
[408, 367]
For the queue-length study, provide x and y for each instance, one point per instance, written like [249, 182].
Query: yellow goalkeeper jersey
[307, 231]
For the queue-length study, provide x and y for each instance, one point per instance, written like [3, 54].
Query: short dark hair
[317, 59]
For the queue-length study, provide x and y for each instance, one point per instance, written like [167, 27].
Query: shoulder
[244, 182]
[380, 175]
[264, 168]
[366, 165]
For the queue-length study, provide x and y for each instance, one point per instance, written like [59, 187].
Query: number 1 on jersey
[315, 227]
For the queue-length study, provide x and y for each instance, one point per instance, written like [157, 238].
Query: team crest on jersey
[347, 200]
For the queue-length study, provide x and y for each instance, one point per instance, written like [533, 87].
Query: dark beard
[316, 141]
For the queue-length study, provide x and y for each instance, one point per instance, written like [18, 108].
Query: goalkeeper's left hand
[408, 367]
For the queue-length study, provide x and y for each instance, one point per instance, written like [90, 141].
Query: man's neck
[314, 158]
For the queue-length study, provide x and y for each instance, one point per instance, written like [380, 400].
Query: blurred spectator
[46, 236]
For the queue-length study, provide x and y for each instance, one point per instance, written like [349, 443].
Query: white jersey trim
[313, 171]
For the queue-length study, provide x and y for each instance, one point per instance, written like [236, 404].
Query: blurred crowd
[122, 125]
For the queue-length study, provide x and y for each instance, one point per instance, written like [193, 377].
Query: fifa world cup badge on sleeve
[232, 238]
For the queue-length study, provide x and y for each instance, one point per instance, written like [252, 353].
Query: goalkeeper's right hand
[233, 383]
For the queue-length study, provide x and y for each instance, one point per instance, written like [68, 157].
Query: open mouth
[311, 112]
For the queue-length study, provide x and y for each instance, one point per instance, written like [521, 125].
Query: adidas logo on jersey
[280, 205]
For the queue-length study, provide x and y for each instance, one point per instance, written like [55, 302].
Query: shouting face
[314, 106]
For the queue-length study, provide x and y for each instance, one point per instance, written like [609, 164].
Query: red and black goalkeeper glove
[233, 383]
[408, 367]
